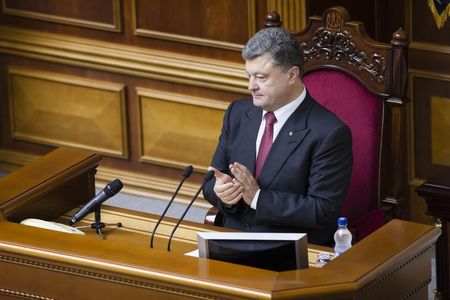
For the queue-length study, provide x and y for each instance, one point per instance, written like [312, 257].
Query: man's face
[269, 84]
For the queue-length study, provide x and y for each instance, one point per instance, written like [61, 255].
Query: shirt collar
[284, 112]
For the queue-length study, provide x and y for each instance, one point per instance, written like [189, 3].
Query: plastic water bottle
[342, 237]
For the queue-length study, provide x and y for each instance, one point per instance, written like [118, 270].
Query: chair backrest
[364, 83]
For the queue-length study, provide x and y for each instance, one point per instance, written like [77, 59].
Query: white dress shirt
[282, 114]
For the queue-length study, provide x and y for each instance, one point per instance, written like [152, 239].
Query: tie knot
[270, 118]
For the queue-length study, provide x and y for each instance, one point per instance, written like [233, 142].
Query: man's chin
[258, 101]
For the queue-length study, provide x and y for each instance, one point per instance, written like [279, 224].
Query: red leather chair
[364, 83]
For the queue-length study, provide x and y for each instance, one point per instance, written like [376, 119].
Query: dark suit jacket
[305, 177]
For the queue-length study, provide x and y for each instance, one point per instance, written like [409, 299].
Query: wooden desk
[436, 193]
[392, 263]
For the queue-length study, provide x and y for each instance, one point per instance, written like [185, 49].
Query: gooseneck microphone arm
[208, 177]
[186, 173]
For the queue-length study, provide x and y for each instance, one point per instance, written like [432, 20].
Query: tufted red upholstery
[362, 111]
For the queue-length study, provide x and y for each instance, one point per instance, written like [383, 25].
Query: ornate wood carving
[99, 276]
[331, 43]
[23, 295]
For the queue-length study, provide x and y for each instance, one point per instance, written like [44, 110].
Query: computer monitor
[264, 250]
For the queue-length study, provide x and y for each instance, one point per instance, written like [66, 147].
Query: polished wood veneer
[393, 262]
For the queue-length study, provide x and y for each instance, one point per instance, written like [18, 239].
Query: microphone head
[114, 187]
[188, 171]
[208, 176]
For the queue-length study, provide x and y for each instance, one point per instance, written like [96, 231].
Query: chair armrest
[214, 217]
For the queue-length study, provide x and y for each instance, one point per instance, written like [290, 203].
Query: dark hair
[282, 46]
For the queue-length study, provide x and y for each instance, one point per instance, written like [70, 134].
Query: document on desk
[192, 253]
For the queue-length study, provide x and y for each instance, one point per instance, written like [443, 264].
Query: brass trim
[437, 222]
[75, 81]
[194, 40]
[55, 267]
[430, 47]
[127, 60]
[23, 295]
[181, 98]
[429, 75]
[188, 39]
[415, 182]
[115, 27]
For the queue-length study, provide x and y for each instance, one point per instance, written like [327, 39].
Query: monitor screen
[271, 251]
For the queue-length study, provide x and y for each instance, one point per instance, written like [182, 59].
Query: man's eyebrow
[256, 73]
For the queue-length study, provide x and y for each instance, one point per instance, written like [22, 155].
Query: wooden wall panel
[431, 100]
[203, 22]
[429, 87]
[98, 14]
[178, 130]
[192, 48]
[116, 21]
[424, 28]
[440, 127]
[144, 175]
[184, 52]
[60, 110]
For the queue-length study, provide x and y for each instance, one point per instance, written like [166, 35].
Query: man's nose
[252, 86]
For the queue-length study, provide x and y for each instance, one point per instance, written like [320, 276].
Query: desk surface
[392, 263]
[125, 254]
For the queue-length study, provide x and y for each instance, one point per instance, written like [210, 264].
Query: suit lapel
[246, 149]
[288, 139]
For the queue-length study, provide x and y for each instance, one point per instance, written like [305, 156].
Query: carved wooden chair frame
[333, 41]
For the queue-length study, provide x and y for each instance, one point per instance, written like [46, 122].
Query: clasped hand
[230, 190]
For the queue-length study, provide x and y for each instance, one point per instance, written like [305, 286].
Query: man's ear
[293, 72]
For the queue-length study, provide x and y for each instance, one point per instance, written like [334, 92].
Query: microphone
[186, 173]
[110, 190]
[208, 177]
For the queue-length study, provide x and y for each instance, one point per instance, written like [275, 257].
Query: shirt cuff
[255, 199]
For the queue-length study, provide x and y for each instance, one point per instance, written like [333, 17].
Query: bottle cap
[342, 221]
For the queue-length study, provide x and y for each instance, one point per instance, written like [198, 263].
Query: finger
[233, 197]
[219, 175]
[242, 175]
[232, 194]
[229, 192]
[241, 168]
[220, 188]
[234, 200]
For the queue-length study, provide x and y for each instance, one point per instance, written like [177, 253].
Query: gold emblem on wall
[440, 10]
[61, 110]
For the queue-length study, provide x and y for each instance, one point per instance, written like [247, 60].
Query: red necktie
[266, 142]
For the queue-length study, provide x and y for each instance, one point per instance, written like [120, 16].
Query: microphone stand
[207, 178]
[186, 173]
[98, 225]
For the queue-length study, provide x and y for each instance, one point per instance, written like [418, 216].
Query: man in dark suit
[283, 162]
